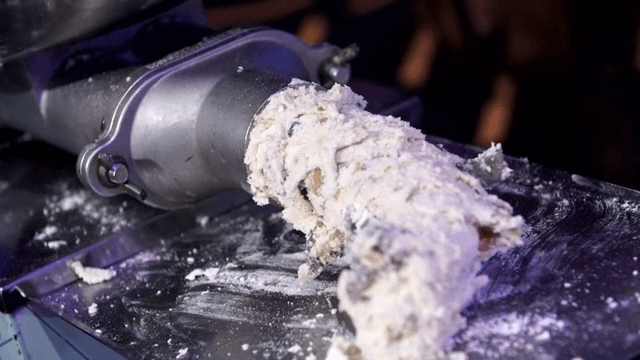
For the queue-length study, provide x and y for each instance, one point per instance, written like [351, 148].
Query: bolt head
[118, 173]
[339, 74]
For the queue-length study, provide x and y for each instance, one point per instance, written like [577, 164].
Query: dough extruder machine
[157, 106]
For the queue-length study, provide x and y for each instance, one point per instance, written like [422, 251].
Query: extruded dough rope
[407, 218]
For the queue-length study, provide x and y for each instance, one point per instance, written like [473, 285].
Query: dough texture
[411, 222]
[92, 275]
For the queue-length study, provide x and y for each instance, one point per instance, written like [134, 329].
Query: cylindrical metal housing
[186, 144]
[68, 116]
[176, 127]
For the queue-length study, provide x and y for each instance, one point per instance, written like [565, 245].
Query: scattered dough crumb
[46, 232]
[182, 353]
[56, 244]
[92, 309]
[203, 220]
[456, 355]
[92, 275]
[209, 273]
[489, 167]
[343, 349]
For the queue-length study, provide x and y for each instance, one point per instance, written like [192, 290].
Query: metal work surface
[46, 214]
[572, 289]
[249, 294]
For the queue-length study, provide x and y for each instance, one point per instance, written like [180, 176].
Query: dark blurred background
[553, 81]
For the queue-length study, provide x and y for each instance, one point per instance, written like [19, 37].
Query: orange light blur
[314, 28]
[415, 68]
[497, 113]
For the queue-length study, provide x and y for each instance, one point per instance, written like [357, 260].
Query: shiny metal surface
[178, 124]
[95, 231]
[46, 213]
[254, 307]
[119, 246]
[569, 291]
[118, 173]
[181, 125]
[27, 26]
[337, 68]
[42, 202]
[64, 95]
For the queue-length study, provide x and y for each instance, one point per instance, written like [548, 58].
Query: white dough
[406, 217]
[92, 309]
[91, 275]
[210, 273]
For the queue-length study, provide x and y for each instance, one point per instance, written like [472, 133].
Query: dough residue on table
[412, 223]
[91, 275]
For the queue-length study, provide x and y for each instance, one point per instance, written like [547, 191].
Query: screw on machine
[336, 68]
[113, 172]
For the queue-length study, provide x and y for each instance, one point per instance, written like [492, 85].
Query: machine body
[170, 132]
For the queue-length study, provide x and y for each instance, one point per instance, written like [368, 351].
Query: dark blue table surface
[572, 290]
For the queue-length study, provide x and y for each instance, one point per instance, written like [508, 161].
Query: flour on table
[489, 167]
[92, 309]
[410, 221]
[92, 275]
[203, 220]
[56, 244]
[68, 200]
[182, 353]
[512, 335]
[46, 233]
[210, 273]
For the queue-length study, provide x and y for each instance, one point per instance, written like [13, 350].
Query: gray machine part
[32, 25]
[173, 132]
